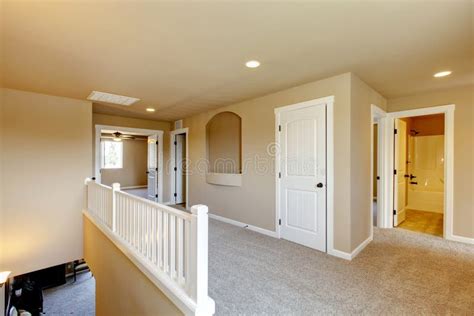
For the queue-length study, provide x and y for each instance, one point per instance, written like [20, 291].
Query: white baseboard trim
[339, 254]
[361, 247]
[462, 239]
[134, 187]
[243, 225]
[353, 254]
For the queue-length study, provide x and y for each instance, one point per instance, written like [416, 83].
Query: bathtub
[429, 201]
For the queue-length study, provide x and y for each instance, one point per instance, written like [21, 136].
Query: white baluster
[172, 246]
[180, 242]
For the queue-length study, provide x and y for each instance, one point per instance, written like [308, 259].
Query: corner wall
[45, 157]
[463, 98]
[254, 202]
[362, 97]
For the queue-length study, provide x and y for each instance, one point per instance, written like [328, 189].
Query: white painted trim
[225, 179]
[99, 128]
[243, 225]
[305, 104]
[134, 187]
[462, 239]
[448, 111]
[361, 247]
[378, 116]
[177, 296]
[354, 253]
[172, 163]
[329, 101]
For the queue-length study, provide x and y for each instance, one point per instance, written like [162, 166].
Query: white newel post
[115, 188]
[199, 260]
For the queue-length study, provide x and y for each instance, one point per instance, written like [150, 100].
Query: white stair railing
[172, 243]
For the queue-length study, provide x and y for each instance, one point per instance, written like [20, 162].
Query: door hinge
[394, 212]
[279, 222]
[395, 171]
[378, 178]
[279, 128]
[157, 142]
[279, 175]
[156, 169]
[175, 195]
[395, 131]
[175, 169]
[175, 143]
[156, 195]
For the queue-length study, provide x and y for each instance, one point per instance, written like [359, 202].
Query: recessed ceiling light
[442, 74]
[111, 98]
[150, 109]
[252, 64]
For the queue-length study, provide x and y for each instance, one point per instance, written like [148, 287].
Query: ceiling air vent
[105, 97]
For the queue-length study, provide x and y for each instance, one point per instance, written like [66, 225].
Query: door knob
[319, 185]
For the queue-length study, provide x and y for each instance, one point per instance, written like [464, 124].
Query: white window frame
[102, 147]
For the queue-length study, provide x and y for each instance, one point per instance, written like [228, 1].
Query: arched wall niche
[224, 149]
[224, 143]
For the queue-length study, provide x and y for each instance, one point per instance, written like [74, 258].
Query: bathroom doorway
[419, 177]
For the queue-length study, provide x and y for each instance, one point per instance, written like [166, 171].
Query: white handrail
[173, 242]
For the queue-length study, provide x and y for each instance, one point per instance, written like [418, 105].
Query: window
[112, 155]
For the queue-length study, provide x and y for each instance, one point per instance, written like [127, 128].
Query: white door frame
[147, 132]
[448, 111]
[329, 101]
[172, 164]
[378, 116]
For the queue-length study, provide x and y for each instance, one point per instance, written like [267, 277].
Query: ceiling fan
[118, 137]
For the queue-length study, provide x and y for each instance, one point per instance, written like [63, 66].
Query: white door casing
[400, 181]
[303, 176]
[152, 168]
[179, 167]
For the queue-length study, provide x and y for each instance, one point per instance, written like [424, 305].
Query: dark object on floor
[27, 295]
[79, 266]
[49, 277]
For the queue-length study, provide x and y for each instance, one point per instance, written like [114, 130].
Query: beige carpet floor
[399, 273]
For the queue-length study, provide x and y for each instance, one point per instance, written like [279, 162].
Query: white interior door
[180, 154]
[152, 168]
[400, 185]
[303, 176]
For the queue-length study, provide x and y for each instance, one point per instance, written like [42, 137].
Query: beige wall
[134, 168]
[2, 149]
[254, 202]
[120, 288]
[463, 97]
[45, 157]
[102, 119]
[362, 97]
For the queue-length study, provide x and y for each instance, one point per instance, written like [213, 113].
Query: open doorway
[132, 157]
[419, 177]
[179, 172]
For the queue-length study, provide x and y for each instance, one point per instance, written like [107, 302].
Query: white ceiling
[186, 57]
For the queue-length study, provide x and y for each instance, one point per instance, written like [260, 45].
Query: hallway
[400, 272]
[250, 273]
